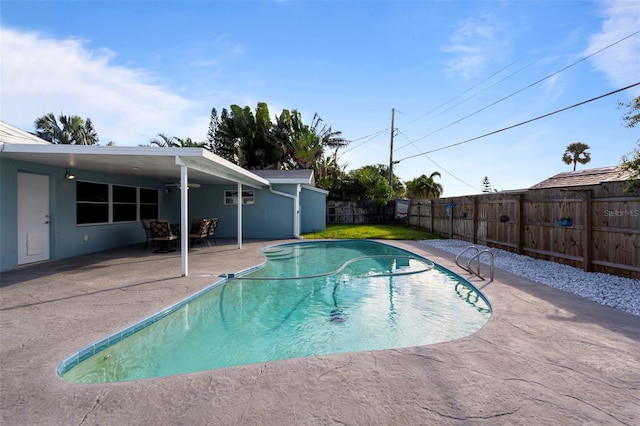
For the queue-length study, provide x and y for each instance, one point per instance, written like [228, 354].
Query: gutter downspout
[296, 208]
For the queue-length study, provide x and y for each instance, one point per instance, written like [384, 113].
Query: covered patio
[176, 166]
[545, 356]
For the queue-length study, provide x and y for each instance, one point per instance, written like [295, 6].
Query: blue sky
[452, 70]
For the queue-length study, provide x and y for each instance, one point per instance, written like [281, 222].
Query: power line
[445, 103]
[527, 87]
[443, 169]
[470, 89]
[378, 133]
[370, 137]
[473, 96]
[452, 175]
[521, 123]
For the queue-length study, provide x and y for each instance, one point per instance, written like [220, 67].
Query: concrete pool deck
[546, 357]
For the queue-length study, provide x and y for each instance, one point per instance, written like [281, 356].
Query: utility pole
[393, 112]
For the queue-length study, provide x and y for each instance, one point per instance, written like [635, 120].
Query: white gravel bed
[610, 290]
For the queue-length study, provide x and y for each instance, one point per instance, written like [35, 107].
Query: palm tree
[304, 144]
[164, 141]
[576, 153]
[425, 187]
[252, 140]
[188, 143]
[71, 129]
[307, 149]
[47, 128]
[326, 170]
[328, 138]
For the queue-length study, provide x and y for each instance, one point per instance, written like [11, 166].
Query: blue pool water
[309, 298]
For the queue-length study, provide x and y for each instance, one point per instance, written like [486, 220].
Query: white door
[33, 218]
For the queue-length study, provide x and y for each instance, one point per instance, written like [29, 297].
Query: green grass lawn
[378, 232]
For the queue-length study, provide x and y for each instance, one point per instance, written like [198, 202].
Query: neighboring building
[59, 201]
[586, 177]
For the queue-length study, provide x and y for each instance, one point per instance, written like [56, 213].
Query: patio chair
[199, 232]
[161, 233]
[146, 224]
[213, 224]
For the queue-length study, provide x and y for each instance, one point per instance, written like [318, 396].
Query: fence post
[475, 220]
[431, 214]
[587, 236]
[418, 215]
[520, 241]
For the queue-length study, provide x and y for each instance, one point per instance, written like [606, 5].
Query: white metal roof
[11, 134]
[301, 176]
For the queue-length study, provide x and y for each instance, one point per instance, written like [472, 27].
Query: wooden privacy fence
[354, 212]
[603, 233]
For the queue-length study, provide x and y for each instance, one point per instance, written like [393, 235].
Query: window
[231, 198]
[92, 202]
[106, 203]
[148, 203]
[125, 203]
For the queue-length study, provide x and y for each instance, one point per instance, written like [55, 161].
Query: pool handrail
[476, 257]
[466, 268]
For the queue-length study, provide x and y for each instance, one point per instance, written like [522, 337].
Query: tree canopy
[164, 141]
[71, 129]
[576, 153]
[253, 141]
[425, 187]
[486, 184]
[631, 161]
[368, 183]
[632, 116]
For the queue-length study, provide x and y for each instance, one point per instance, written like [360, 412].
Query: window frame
[230, 197]
[112, 205]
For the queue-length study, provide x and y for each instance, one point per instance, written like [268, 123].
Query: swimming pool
[308, 298]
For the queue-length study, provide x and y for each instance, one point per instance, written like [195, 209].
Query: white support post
[296, 220]
[184, 218]
[239, 215]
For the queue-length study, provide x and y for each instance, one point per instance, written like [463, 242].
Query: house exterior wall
[313, 206]
[271, 217]
[67, 238]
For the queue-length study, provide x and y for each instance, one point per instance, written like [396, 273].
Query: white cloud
[41, 75]
[473, 45]
[554, 88]
[620, 63]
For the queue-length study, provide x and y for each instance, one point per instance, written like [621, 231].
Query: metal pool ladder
[476, 257]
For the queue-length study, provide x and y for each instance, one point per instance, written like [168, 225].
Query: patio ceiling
[160, 164]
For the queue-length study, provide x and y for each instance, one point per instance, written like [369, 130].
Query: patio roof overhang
[166, 165]
[160, 164]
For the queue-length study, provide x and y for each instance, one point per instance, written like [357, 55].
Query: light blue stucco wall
[313, 207]
[67, 238]
[271, 217]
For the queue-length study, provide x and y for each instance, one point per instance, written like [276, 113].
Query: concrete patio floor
[544, 358]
